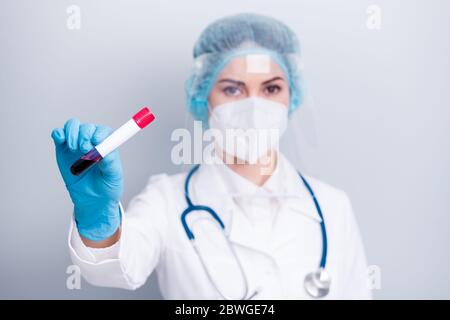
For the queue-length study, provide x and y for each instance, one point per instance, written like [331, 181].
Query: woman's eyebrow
[273, 79]
[238, 83]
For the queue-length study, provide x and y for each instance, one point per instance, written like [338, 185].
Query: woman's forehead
[252, 66]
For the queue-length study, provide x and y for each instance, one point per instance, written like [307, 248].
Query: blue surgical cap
[235, 36]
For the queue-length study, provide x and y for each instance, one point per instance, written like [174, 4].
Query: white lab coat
[276, 236]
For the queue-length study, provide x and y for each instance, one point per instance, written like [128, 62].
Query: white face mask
[249, 128]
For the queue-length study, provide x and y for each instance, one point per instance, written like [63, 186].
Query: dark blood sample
[85, 162]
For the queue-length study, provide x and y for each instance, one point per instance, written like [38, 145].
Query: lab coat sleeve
[128, 263]
[356, 285]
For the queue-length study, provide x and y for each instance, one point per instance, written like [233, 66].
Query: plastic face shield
[257, 64]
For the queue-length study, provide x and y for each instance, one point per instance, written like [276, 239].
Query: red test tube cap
[143, 117]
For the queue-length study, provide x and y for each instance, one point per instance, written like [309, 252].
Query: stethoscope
[316, 283]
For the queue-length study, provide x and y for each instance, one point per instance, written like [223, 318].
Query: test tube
[139, 121]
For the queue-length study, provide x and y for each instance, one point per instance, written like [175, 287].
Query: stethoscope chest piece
[317, 283]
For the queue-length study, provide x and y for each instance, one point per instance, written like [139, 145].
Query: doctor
[243, 225]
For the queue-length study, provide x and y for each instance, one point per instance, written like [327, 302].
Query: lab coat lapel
[299, 200]
[210, 190]
[295, 213]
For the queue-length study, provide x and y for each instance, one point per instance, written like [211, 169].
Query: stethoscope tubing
[191, 207]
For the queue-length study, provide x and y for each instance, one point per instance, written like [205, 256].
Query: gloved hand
[96, 193]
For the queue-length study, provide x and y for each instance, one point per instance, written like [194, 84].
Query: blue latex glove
[96, 193]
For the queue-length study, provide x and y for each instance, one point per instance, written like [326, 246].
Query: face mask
[249, 128]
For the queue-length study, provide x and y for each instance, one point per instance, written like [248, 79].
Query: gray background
[382, 122]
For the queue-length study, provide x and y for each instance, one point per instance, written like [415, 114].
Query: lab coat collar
[284, 184]
[222, 185]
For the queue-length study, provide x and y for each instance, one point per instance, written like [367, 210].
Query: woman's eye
[272, 89]
[232, 91]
